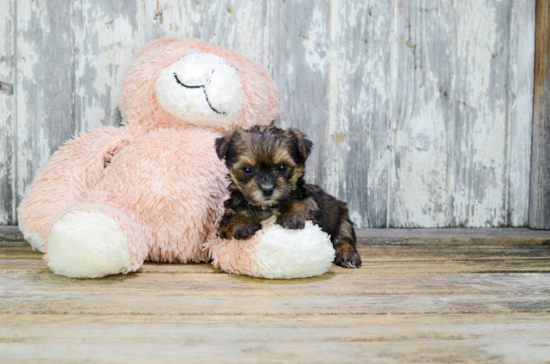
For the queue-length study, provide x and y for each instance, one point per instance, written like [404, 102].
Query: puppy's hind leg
[344, 244]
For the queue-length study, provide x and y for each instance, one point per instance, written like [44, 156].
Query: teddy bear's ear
[304, 145]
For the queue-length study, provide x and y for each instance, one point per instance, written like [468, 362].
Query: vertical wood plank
[106, 38]
[45, 84]
[421, 113]
[478, 177]
[539, 209]
[520, 118]
[7, 111]
[353, 145]
[238, 25]
[300, 36]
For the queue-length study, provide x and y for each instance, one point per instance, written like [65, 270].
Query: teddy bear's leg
[275, 252]
[94, 240]
[65, 181]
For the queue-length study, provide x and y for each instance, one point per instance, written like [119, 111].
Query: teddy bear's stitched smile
[204, 91]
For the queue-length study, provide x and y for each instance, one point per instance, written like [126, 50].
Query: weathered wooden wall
[421, 110]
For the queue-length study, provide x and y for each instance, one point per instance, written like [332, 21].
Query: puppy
[266, 165]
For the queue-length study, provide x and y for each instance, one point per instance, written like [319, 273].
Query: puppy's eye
[248, 170]
[281, 167]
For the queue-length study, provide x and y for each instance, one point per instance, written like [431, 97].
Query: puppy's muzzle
[267, 190]
[266, 182]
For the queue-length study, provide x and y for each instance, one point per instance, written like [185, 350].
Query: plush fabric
[204, 84]
[154, 189]
[65, 181]
[275, 252]
[88, 245]
[139, 102]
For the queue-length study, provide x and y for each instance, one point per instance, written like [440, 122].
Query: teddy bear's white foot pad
[87, 245]
[285, 254]
[37, 243]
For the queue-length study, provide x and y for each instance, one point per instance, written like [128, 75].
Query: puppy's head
[265, 162]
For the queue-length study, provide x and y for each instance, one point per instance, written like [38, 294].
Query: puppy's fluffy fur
[267, 165]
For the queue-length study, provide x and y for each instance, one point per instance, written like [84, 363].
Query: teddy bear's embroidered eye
[202, 89]
[248, 170]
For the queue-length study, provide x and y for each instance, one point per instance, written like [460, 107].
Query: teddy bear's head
[178, 82]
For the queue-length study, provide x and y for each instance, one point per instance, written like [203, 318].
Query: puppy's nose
[267, 190]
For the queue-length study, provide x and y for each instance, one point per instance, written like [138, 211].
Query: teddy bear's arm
[66, 179]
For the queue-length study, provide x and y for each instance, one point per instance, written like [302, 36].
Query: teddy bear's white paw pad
[87, 245]
[284, 253]
[37, 243]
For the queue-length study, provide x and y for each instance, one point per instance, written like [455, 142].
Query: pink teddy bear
[154, 189]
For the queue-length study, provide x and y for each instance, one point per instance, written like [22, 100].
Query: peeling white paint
[479, 185]
[106, 40]
[315, 43]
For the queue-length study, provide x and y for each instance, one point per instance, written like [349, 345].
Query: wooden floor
[410, 302]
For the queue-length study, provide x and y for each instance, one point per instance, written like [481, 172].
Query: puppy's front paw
[222, 232]
[347, 257]
[291, 221]
[243, 232]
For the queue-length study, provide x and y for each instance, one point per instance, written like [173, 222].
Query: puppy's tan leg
[344, 244]
[295, 216]
[242, 227]
[224, 222]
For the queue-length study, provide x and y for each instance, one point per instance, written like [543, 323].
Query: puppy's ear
[224, 143]
[302, 142]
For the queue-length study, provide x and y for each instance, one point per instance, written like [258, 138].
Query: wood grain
[478, 179]
[421, 115]
[345, 339]
[238, 25]
[539, 209]
[406, 304]
[45, 84]
[520, 118]
[106, 36]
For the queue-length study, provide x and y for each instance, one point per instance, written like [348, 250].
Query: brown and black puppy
[267, 165]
